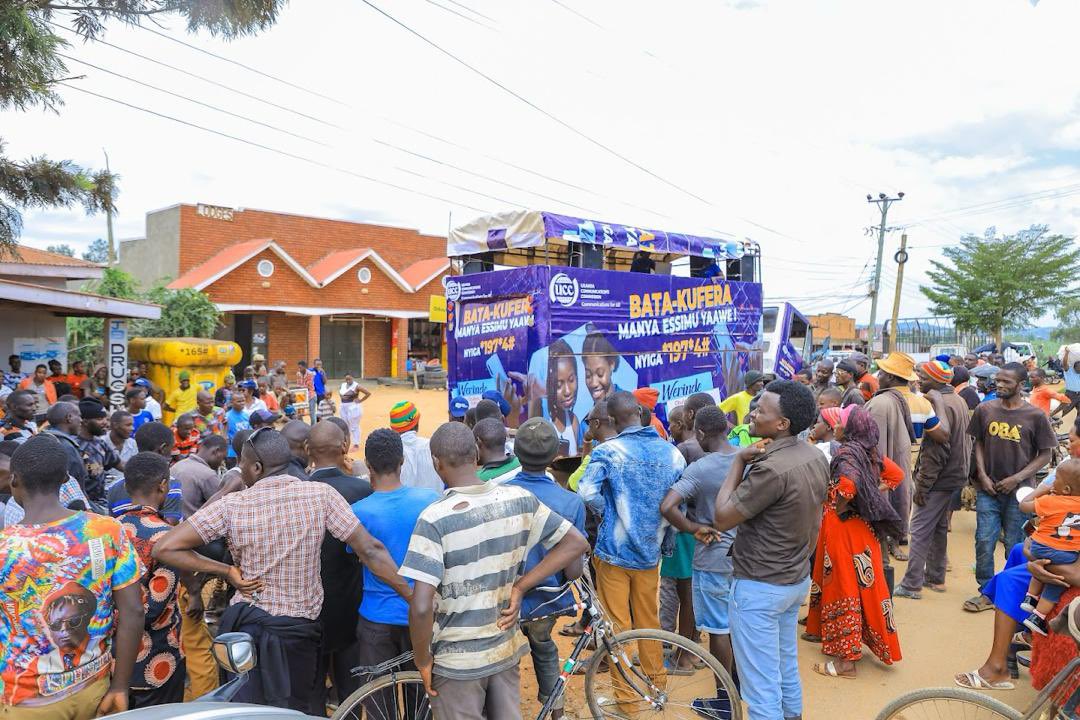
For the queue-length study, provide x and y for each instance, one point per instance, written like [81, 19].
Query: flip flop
[903, 592]
[810, 638]
[672, 668]
[898, 554]
[829, 670]
[974, 681]
[936, 588]
[978, 604]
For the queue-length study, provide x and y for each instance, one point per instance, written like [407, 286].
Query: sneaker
[1036, 624]
[1030, 601]
[717, 708]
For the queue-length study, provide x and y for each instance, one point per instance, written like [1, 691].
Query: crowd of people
[126, 540]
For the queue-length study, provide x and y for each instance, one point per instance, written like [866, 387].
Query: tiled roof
[33, 256]
[336, 263]
[422, 272]
[202, 275]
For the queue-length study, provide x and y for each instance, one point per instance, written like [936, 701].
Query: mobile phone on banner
[495, 369]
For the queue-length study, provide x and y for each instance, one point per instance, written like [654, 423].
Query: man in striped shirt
[470, 549]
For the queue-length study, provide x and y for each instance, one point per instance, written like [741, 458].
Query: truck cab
[787, 340]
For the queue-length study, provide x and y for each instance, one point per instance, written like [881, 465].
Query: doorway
[341, 347]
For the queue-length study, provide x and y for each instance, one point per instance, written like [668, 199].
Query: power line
[463, 6]
[478, 175]
[587, 19]
[277, 151]
[551, 116]
[193, 100]
[242, 65]
[204, 79]
[463, 16]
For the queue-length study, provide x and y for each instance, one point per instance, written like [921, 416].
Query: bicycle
[1060, 697]
[709, 692]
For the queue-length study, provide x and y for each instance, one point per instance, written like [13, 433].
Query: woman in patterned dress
[849, 600]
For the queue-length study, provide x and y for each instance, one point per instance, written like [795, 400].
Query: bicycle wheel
[400, 696]
[946, 704]
[622, 689]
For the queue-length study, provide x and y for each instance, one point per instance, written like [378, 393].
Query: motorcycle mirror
[235, 652]
[1023, 493]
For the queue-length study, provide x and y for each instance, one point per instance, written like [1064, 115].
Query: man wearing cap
[739, 403]
[98, 455]
[459, 407]
[252, 401]
[183, 399]
[418, 470]
[892, 414]
[497, 397]
[846, 371]
[867, 383]
[941, 471]
[536, 446]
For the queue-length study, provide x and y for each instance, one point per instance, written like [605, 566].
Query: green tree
[63, 249]
[98, 252]
[1068, 317]
[184, 313]
[994, 282]
[31, 69]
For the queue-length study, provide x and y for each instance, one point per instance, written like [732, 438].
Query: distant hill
[1035, 333]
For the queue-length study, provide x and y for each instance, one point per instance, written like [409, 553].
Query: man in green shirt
[496, 465]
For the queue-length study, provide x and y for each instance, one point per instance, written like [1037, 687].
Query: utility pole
[108, 217]
[884, 202]
[901, 258]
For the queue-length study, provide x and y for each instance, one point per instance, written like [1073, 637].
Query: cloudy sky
[770, 119]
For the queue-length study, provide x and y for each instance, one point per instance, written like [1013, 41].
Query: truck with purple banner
[547, 311]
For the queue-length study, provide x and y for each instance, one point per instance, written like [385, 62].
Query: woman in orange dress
[849, 600]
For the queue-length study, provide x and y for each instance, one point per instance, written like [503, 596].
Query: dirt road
[938, 639]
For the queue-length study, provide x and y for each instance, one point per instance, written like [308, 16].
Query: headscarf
[857, 459]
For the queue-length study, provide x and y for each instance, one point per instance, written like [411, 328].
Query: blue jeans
[994, 513]
[545, 656]
[763, 634]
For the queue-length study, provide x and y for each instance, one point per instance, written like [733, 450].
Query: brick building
[294, 287]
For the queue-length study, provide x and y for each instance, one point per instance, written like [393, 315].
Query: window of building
[364, 275]
[265, 268]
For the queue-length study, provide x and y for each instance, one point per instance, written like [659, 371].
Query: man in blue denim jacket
[625, 482]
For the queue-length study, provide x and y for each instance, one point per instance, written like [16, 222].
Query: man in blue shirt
[236, 419]
[625, 482]
[536, 445]
[320, 380]
[389, 514]
[1071, 368]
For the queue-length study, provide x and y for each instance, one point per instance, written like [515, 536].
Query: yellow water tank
[207, 360]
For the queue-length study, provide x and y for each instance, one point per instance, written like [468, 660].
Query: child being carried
[1057, 538]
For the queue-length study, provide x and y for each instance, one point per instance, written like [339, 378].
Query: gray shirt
[198, 481]
[781, 497]
[698, 486]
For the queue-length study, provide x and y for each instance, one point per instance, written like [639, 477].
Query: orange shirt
[76, 381]
[1059, 522]
[1042, 395]
[271, 401]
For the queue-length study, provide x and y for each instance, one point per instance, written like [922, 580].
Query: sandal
[978, 604]
[810, 638]
[897, 553]
[829, 670]
[936, 588]
[673, 668]
[903, 592]
[974, 681]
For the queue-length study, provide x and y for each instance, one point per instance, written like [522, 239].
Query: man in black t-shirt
[1013, 440]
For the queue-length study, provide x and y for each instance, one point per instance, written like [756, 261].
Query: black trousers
[338, 666]
[380, 643]
[171, 692]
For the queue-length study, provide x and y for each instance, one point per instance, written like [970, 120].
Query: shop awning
[70, 302]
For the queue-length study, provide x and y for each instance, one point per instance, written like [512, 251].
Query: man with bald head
[342, 577]
[64, 421]
[209, 420]
[823, 377]
[296, 434]
[275, 528]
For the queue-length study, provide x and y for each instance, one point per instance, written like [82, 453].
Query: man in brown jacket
[890, 410]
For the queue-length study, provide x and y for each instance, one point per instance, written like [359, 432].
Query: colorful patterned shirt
[212, 425]
[56, 605]
[10, 431]
[625, 481]
[182, 447]
[159, 652]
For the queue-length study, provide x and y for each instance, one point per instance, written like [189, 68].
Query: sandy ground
[938, 639]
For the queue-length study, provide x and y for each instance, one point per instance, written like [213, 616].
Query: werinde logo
[563, 290]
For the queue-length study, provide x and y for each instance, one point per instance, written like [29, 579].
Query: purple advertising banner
[563, 338]
[594, 232]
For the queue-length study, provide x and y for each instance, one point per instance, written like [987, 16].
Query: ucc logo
[563, 290]
[1004, 430]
